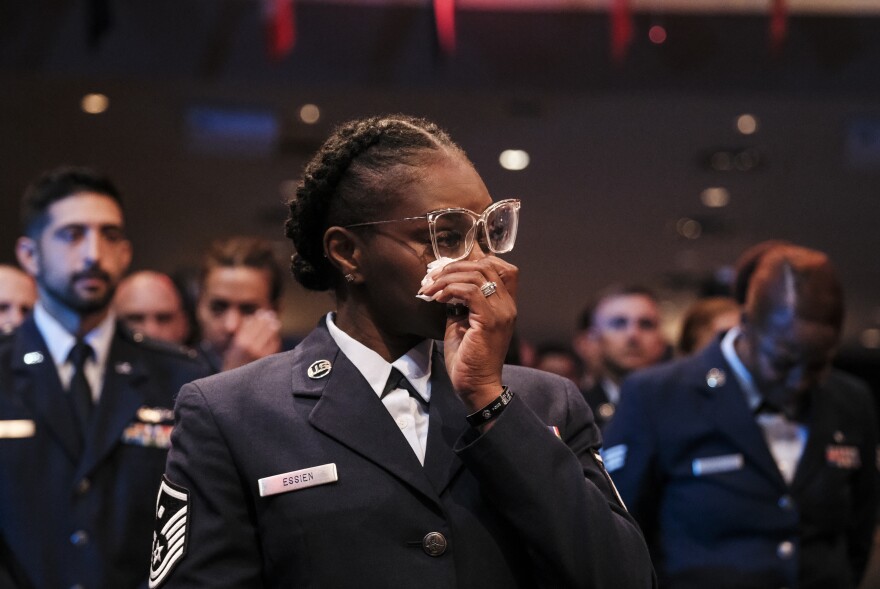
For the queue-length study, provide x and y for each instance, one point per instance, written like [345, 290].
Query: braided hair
[351, 179]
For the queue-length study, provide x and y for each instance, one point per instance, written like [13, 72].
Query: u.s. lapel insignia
[123, 368]
[715, 378]
[319, 369]
[33, 358]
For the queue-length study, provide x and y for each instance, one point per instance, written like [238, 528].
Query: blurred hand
[258, 336]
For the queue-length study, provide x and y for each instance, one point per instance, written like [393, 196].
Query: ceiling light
[95, 104]
[657, 34]
[746, 124]
[514, 159]
[689, 228]
[715, 197]
[309, 114]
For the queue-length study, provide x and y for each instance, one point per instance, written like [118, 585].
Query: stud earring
[349, 277]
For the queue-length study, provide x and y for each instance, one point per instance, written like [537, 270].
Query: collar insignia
[319, 369]
[715, 378]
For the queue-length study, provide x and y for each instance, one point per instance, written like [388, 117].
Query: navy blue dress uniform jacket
[517, 507]
[79, 512]
[601, 406]
[693, 467]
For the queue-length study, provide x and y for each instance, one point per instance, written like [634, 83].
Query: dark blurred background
[706, 135]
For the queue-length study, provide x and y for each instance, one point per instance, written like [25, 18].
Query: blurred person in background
[587, 349]
[753, 463]
[239, 295]
[625, 329]
[149, 303]
[86, 408]
[18, 294]
[558, 359]
[704, 320]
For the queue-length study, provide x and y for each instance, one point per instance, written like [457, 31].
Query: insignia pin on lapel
[319, 369]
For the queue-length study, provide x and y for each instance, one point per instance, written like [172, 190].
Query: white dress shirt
[786, 439]
[60, 342]
[410, 415]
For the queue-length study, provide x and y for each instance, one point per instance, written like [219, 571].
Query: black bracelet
[492, 410]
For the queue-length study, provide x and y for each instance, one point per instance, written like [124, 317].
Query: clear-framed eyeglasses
[453, 231]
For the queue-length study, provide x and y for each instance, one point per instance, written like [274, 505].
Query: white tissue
[433, 268]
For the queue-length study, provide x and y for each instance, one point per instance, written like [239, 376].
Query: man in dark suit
[623, 327]
[753, 465]
[85, 406]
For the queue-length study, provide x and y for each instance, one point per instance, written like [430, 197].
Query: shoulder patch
[170, 533]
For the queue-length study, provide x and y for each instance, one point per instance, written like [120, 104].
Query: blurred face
[627, 330]
[230, 295]
[150, 304]
[80, 255]
[561, 364]
[395, 256]
[720, 323]
[787, 355]
[18, 293]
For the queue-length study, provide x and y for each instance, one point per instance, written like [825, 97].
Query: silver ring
[488, 289]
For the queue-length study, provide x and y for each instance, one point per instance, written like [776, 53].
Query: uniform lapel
[731, 414]
[821, 433]
[41, 389]
[121, 397]
[446, 424]
[350, 412]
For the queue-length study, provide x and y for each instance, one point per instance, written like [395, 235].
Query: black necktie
[765, 407]
[396, 380]
[80, 391]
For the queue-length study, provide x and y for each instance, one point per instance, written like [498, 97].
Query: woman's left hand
[476, 341]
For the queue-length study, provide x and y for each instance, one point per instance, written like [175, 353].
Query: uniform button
[83, 486]
[786, 502]
[402, 422]
[434, 543]
[785, 550]
[79, 538]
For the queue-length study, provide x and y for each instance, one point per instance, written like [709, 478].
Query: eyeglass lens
[454, 231]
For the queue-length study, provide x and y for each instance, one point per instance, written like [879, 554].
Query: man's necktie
[766, 407]
[396, 380]
[80, 391]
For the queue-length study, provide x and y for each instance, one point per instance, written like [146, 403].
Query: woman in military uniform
[392, 448]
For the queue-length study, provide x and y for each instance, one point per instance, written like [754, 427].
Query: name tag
[298, 479]
[716, 464]
[843, 456]
[17, 428]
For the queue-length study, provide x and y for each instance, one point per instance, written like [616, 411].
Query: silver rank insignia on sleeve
[170, 533]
